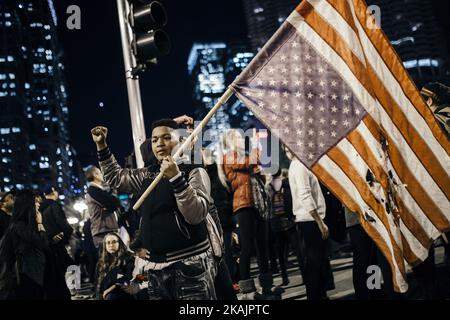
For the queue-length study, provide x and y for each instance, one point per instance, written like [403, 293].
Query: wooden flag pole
[223, 99]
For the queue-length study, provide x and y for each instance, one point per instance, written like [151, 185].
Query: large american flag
[333, 89]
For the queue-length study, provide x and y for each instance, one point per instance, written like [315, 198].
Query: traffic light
[149, 42]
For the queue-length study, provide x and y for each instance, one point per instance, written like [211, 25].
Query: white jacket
[306, 192]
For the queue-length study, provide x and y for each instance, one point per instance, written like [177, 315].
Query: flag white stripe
[401, 190]
[334, 19]
[335, 171]
[361, 166]
[416, 247]
[374, 108]
[396, 92]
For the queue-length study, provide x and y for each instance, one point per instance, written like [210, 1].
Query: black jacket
[55, 221]
[222, 199]
[163, 227]
[112, 277]
[4, 222]
[29, 248]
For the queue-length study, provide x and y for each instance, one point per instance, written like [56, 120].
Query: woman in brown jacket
[252, 229]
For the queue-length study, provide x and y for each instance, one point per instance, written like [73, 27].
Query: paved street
[342, 271]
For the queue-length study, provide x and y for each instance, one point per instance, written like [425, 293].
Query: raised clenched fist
[99, 134]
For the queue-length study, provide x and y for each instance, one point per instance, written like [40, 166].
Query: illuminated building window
[43, 165]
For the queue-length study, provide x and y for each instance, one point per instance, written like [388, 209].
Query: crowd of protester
[196, 234]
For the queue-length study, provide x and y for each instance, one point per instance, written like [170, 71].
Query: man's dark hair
[165, 123]
[3, 195]
[89, 173]
[49, 189]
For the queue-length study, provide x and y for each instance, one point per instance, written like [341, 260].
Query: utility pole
[142, 43]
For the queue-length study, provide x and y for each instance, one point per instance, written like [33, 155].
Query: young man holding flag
[173, 237]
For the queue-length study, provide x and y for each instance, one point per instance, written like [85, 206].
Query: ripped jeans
[188, 279]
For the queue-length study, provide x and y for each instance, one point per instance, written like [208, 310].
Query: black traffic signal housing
[149, 42]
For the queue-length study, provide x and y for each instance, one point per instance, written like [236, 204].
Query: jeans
[189, 279]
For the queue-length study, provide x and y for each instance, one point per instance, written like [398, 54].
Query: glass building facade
[264, 17]
[412, 28]
[34, 139]
[212, 67]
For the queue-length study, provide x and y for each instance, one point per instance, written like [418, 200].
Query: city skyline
[95, 65]
[92, 64]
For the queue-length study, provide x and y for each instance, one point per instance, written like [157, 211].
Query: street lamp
[72, 220]
[80, 206]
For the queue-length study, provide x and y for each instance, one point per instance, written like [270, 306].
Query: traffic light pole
[134, 92]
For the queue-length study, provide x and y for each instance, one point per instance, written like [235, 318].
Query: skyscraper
[34, 145]
[212, 67]
[264, 17]
[413, 31]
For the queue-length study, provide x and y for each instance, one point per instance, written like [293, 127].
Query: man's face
[164, 140]
[8, 202]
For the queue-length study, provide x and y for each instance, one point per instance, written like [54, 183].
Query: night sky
[95, 71]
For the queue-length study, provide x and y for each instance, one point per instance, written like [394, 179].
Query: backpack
[282, 200]
[261, 199]
[215, 232]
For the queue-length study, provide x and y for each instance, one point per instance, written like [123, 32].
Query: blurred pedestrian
[102, 206]
[238, 168]
[6, 209]
[59, 232]
[309, 209]
[282, 222]
[22, 257]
